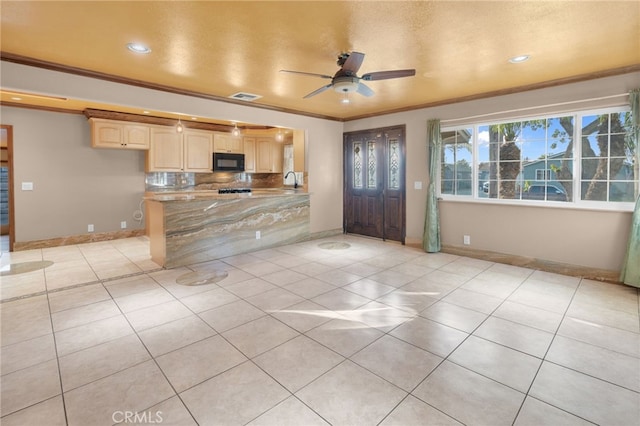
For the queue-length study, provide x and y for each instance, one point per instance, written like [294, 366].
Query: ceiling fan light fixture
[345, 99]
[346, 84]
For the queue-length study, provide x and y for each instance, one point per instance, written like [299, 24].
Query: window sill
[583, 205]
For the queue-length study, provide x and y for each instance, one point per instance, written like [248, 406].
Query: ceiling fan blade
[364, 90]
[353, 62]
[315, 92]
[312, 74]
[385, 75]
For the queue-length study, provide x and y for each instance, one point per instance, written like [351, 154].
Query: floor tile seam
[561, 334]
[387, 380]
[84, 323]
[446, 358]
[55, 350]
[600, 379]
[31, 365]
[95, 345]
[558, 408]
[55, 290]
[65, 391]
[594, 321]
[546, 353]
[553, 404]
[4, 416]
[157, 365]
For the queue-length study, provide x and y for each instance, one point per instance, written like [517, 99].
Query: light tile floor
[377, 333]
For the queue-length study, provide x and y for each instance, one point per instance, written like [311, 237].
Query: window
[539, 159]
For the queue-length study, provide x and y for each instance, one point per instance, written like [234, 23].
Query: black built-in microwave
[227, 162]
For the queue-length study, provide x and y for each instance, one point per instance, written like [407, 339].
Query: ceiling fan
[346, 79]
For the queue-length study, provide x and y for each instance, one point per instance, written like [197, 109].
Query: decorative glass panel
[394, 164]
[357, 165]
[371, 165]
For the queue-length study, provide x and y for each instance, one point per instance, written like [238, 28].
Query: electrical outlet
[258, 235]
[90, 228]
[466, 240]
[123, 224]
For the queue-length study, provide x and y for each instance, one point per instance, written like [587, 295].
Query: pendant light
[179, 126]
[235, 132]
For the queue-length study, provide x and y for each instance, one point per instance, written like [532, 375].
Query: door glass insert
[357, 165]
[371, 165]
[394, 164]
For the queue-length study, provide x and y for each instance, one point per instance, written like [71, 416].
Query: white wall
[580, 237]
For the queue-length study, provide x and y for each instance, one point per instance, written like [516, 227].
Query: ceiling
[460, 49]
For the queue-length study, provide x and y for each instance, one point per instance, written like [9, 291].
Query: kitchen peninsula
[199, 226]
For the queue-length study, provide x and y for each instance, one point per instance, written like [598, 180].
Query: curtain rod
[531, 108]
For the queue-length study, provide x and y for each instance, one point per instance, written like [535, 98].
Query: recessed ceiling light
[518, 59]
[15, 98]
[194, 118]
[138, 48]
[146, 112]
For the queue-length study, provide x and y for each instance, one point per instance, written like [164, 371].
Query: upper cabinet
[118, 134]
[269, 155]
[226, 143]
[189, 151]
[249, 154]
[197, 149]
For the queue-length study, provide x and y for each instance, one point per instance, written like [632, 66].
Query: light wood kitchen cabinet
[262, 155]
[119, 134]
[198, 151]
[190, 151]
[249, 155]
[223, 142]
[269, 155]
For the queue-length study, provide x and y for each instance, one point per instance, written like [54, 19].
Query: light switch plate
[417, 185]
[27, 186]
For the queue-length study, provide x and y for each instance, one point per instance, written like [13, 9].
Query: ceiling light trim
[139, 48]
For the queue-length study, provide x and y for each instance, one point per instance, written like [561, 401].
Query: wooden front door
[374, 189]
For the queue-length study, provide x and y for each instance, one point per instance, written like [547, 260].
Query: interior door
[374, 190]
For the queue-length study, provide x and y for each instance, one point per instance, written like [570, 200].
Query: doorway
[374, 183]
[7, 225]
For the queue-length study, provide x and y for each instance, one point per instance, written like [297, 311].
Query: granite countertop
[213, 194]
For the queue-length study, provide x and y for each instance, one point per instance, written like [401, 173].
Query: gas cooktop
[233, 190]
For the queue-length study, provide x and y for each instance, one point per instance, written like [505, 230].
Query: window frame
[576, 203]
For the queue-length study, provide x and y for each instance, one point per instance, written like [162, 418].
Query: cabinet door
[197, 151]
[118, 134]
[236, 145]
[264, 162]
[106, 134]
[223, 142]
[165, 151]
[249, 155]
[277, 156]
[136, 137]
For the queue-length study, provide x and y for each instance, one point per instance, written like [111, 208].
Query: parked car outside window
[536, 191]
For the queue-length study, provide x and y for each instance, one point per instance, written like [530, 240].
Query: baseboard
[539, 264]
[77, 239]
[325, 234]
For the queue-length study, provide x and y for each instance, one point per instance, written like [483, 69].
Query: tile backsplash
[165, 181]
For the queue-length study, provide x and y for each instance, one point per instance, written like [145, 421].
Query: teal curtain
[631, 269]
[431, 235]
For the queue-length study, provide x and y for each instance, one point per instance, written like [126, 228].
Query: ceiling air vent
[243, 96]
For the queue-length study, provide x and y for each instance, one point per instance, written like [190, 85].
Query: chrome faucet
[295, 179]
